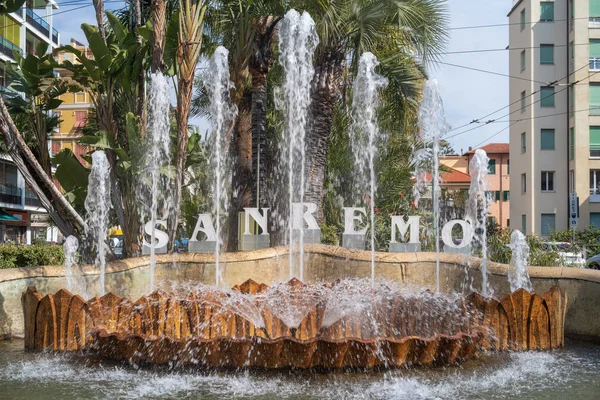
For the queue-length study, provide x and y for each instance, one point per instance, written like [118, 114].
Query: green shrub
[13, 256]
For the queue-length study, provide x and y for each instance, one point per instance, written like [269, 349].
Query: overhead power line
[518, 120]
[456, 28]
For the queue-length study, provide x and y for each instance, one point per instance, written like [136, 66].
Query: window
[547, 96]
[523, 183]
[547, 139]
[497, 195]
[594, 98]
[80, 97]
[594, 141]
[523, 103]
[523, 60]
[523, 20]
[548, 223]
[506, 195]
[508, 166]
[523, 142]
[594, 54]
[594, 12]
[595, 182]
[572, 188]
[492, 167]
[546, 54]
[524, 224]
[547, 11]
[80, 118]
[595, 220]
[547, 181]
[572, 143]
[571, 100]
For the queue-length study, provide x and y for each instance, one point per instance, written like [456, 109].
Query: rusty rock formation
[202, 328]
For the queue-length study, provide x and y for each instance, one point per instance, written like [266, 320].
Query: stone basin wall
[130, 278]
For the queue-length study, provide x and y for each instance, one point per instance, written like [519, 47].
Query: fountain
[97, 205]
[70, 247]
[433, 126]
[335, 317]
[222, 114]
[518, 276]
[364, 134]
[297, 43]
[477, 210]
[158, 157]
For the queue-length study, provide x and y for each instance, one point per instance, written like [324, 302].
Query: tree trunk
[158, 42]
[325, 91]
[99, 8]
[141, 81]
[242, 170]
[259, 132]
[67, 220]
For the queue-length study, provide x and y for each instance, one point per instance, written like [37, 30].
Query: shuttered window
[547, 11]
[547, 97]
[546, 54]
[594, 8]
[594, 141]
[594, 98]
[547, 139]
[572, 144]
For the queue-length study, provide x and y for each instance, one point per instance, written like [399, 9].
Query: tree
[347, 28]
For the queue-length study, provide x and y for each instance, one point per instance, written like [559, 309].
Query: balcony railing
[594, 109]
[594, 22]
[38, 22]
[54, 36]
[7, 47]
[10, 194]
[594, 63]
[31, 199]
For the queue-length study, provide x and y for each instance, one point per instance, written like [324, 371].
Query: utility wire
[444, 53]
[571, 84]
[491, 72]
[478, 120]
[456, 28]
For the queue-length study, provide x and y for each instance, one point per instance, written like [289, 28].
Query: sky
[467, 94]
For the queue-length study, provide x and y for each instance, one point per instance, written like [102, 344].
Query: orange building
[73, 112]
[457, 176]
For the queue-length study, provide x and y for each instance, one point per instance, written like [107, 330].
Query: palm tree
[347, 28]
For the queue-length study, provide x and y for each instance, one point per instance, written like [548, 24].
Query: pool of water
[572, 372]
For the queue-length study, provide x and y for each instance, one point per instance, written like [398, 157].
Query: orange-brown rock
[201, 329]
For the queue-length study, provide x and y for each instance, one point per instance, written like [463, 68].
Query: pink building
[498, 181]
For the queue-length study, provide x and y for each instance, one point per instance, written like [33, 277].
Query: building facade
[554, 65]
[73, 111]
[24, 29]
[457, 177]
[22, 219]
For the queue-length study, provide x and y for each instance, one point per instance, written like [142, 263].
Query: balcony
[38, 23]
[31, 199]
[594, 22]
[54, 36]
[10, 194]
[594, 109]
[594, 63]
[7, 47]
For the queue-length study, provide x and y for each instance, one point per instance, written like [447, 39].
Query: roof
[493, 148]
[451, 176]
[515, 5]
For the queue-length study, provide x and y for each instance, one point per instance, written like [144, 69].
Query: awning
[7, 217]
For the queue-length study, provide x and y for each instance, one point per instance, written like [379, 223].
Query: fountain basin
[202, 328]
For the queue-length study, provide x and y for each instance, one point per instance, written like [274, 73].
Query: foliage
[588, 239]
[14, 256]
[498, 250]
[8, 6]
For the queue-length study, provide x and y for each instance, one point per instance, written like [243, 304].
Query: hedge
[13, 256]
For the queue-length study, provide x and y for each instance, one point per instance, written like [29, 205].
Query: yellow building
[73, 112]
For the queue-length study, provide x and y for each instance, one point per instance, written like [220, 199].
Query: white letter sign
[399, 224]
[349, 218]
[467, 234]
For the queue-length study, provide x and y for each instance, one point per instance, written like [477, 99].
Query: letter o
[467, 233]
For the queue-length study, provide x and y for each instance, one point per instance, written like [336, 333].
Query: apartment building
[74, 110]
[554, 88]
[24, 29]
[22, 219]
